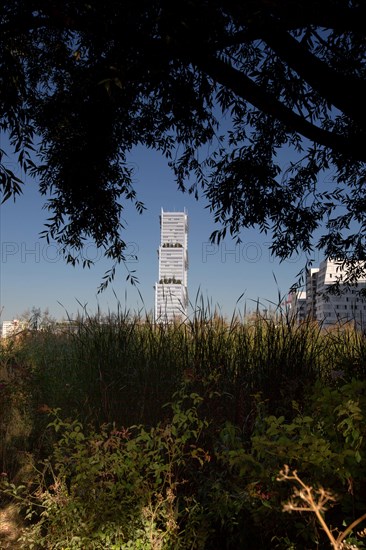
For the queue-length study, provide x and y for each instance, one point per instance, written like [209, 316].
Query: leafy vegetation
[218, 88]
[126, 434]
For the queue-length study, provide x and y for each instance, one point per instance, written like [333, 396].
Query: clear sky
[33, 274]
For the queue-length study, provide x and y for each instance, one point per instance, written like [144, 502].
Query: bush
[118, 488]
[323, 440]
[201, 473]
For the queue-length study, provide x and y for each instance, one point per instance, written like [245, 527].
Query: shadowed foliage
[217, 87]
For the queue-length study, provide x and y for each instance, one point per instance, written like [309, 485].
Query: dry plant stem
[347, 531]
[305, 493]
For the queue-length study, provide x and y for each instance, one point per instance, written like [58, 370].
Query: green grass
[123, 368]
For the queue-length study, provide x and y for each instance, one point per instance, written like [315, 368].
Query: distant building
[10, 328]
[296, 305]
[343, 307]
[329, 309]
[311, 291]
[171, 293]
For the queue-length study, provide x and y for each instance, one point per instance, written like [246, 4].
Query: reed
[124, 367]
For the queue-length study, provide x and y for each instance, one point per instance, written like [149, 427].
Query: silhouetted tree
[87, 81]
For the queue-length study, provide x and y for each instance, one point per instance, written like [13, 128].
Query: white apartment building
[348, 306]
[171, 294]
[329, 309]
[296, 305]
[10, 328]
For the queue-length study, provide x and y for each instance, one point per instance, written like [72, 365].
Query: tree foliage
[88, 81]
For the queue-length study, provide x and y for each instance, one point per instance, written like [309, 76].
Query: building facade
[171, 291]
[10, 328]
[327, 308]
[296, 305]
[343, 307]
[311, 291]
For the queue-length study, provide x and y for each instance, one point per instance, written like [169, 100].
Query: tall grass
[123, 367]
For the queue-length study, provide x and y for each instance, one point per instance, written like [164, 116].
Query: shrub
[118, 488]
[323, 439]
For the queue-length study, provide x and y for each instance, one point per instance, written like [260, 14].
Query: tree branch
[296, 15]
[346, 93]
[226, 75]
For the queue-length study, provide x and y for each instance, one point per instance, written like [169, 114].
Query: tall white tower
[171, 294]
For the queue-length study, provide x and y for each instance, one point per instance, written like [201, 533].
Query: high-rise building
[332, 308]
[347, 306]
[171, 294]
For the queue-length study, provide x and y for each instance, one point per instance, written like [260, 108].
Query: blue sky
[33, 274]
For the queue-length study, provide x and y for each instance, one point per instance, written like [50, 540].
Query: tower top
[174, 211]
